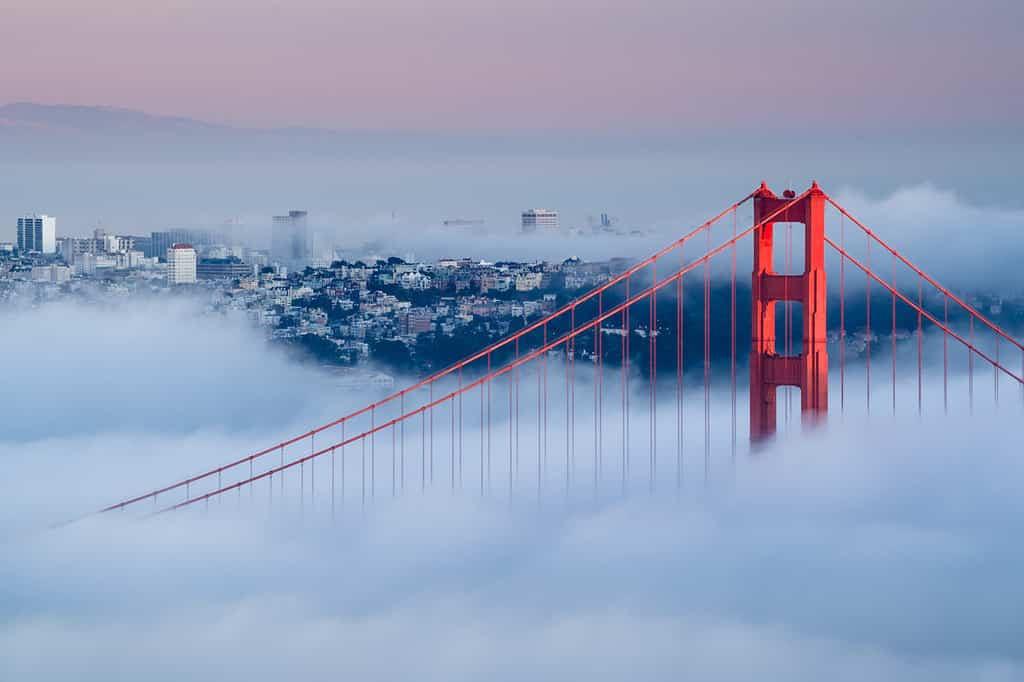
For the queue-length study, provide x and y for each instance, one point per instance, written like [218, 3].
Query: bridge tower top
[768, 368]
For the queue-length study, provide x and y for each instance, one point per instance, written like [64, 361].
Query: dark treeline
[433, 350]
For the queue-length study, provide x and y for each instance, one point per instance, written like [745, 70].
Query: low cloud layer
[961, 243]
[854, 553]
[844, 556]
[964, 245]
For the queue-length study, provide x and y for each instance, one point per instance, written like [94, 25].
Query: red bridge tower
[768, 369]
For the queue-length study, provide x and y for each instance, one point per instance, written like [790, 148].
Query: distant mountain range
[48, 132]
[32, 117]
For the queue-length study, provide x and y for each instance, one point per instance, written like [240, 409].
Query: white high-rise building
[181, 264]
[539, 218]
[37, 233]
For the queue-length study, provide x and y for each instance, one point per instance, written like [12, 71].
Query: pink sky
[523, 64]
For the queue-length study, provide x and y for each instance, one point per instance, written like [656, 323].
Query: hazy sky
[524, 64]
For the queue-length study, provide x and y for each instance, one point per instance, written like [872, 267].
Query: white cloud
[962, 245]
[849, 554]
[855, 553]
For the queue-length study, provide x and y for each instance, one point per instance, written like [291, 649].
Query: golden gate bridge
[487, 421]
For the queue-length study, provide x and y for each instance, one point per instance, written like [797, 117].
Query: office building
[94, 263]
[143, 244]
[181, 264]
[291, 244]
[129, 260]
[223, 268]
[160, 242]
[539, 218]
[51, 273]
[37, 233]
[72, 248]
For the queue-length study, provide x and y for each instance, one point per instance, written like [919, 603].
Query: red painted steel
[768, 369]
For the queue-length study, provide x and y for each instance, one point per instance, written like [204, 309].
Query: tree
[392, 353]
[318, 348]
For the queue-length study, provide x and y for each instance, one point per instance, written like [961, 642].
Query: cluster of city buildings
[352, 305]
[341, 308]
[287, 289]
[182, 256]
[546, 221]
[187, 256]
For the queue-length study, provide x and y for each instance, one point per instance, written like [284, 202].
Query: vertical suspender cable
[626, 379]
[540, 435]
[568, 430]
[544, 367]
[451, 444]
[597, 394]
[511, 471]
[707, 360]
[867, 331]
[460, 422]
[572, 392]
[842, 314]
[920, 342]
[970, 367]
[431, 435]
[373, 453]
[482, 439]
[652, 466]
[401, 467]
[517, 411]
[488, 382]
[625, 384]
[423, 450]
[995, 375]
[894, 335]
[945, 354]
[679, 374]
[732, 315]
[343, 465]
